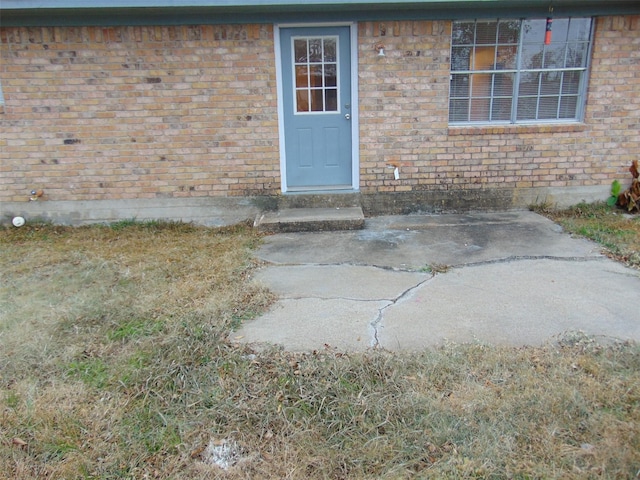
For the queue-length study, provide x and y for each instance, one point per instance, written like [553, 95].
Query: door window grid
[315, 65]
[493, 62]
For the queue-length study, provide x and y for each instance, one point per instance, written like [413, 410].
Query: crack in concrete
[513, 258]
[378, 320]
[517, 258]
[350, 299]
[268, 264]
[375, 324]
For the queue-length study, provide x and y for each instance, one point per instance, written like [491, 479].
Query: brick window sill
[516, 129]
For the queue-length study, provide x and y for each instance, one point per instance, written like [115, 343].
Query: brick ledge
[516, 129]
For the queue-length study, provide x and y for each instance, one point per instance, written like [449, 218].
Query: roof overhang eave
[203, 12]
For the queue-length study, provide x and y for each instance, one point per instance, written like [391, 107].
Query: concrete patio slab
[509, 278]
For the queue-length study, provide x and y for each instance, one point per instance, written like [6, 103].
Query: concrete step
[310, 220]
[324, 200]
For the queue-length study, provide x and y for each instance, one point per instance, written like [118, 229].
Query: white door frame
[355, 140]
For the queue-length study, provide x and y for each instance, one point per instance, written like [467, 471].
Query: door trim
[355, 140]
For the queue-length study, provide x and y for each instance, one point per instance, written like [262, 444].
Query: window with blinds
[510, 71]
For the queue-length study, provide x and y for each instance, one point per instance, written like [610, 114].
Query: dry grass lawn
[115, 363]
[617, 231]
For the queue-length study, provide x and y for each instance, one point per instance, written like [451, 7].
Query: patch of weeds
[123, 224]
[132, 371]
[12, 399]
[37, 231]
[92, 371]
[435, 268]
[133, 329]
[239, 316]
[152, 429]
[58, 450]
[603, 235]
[168, 226]
[618, 233]
[616, 188]
[542, 208]
[149, 225]
[587, 210]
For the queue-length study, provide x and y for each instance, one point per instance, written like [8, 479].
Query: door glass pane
[315, 50]
[331, 100]
[302, 100]
[329, 50]
[317, 103]
[300, 51]
[316, 74]
[302, 76]
[330, 75]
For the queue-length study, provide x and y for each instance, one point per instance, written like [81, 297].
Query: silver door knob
[347, 116]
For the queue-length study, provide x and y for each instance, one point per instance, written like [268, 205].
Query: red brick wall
[138, 112]
[166, 112]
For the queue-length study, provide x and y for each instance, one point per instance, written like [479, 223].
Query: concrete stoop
[310, 219]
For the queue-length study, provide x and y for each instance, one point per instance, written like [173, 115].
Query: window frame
[517, 71]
